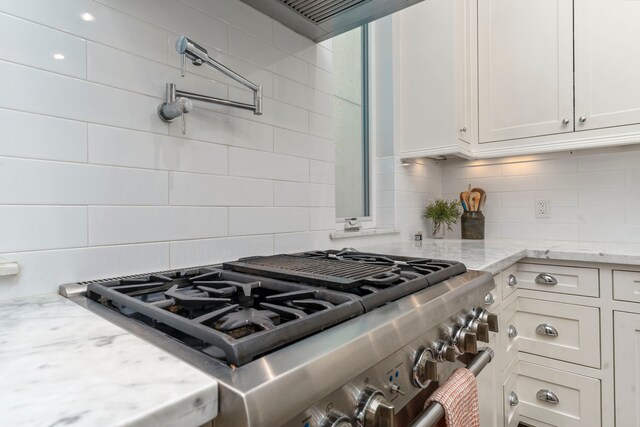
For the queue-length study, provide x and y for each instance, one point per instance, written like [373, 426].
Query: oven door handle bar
[434, 412]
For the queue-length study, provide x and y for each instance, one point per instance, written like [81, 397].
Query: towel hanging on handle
[459, 398]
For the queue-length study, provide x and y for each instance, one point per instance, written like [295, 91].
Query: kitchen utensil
[474, 200]
[483, 200]
[463, 203]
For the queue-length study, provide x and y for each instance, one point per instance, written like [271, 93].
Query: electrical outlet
[542, 208]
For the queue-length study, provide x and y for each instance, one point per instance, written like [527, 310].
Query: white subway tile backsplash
[123, 147]
[176, 17]
[187, 189]
[322, 172]
[110, 225]
[320, 125]
[29, 228]
[189, 253]
[322, 218]
[34, 45]
[302, 194]
[43, 271]
[303, 145]
[37, 91]
[260, 164]
[37, 182]
[602, 179]
[237, 14]
[209, 126]
[86, 163]
[247, 221]
[124, 70]
[110, 27]
[42, 137]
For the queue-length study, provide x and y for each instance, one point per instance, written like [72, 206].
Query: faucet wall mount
[178, 103]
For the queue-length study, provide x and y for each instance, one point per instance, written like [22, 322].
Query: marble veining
[496, 255]
[61, 365]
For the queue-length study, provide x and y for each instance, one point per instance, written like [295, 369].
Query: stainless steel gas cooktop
[312, 321]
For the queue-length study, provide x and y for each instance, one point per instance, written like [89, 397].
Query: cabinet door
[525, 68]
[627, 368]
[607, 63]
[489, 390]
[467, 69]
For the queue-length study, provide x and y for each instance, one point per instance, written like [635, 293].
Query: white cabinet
[489, 393]
[607, 63]
[627, 368]
[434, 83]
[525, 68]
[551, 397]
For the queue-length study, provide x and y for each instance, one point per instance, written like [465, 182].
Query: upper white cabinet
[607, 58]
[491, 78]
[434, 76]
[525, 68]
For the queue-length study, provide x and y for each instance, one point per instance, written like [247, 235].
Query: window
[351, 124]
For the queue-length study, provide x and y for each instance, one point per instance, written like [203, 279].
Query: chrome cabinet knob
[334, 419]
[374, 410]
[512, 280]
[546, 279]
[513, 399]
[489, 299]
[565, 121]
[463, 129]
[547, 396]
[425, 368]
[512, 332]
[582, 119]
[548, 330]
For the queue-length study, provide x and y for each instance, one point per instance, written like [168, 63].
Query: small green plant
[443, 212]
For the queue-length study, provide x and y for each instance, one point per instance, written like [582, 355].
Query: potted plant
[442, 213]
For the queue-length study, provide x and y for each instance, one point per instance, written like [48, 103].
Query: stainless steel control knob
[489, 318]
[374, 410]
[465, 340]
[425, 367]
[334, 419]
[481, 329]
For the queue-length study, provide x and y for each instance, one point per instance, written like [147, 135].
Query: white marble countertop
[61, 365]
[495, 255]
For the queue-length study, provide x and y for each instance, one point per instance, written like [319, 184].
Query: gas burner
[246, 321]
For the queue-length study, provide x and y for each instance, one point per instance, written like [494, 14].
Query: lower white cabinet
[627, 368]
[546, 396]
[566, 332]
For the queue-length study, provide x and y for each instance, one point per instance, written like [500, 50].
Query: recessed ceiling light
[87, 16]
[58, 56]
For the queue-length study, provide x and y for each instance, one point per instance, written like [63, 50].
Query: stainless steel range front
[314, 339]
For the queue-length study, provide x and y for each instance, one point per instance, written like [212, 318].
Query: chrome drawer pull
[548, 330]
[513, 399]
[512, 332]
[489, 299]
[547, 396]
[512, 280]
[546, 279]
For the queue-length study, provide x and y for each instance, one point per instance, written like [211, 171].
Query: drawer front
[551, 278]
[554, 397]
[626, 285]
[561, 331]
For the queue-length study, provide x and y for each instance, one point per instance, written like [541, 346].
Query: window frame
[366, 140]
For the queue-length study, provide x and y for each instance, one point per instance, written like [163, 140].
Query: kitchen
[213, 212]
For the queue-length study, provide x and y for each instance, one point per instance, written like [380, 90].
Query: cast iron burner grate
[325, 272]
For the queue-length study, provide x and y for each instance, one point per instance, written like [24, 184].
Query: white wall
[94, 185]
[594, 195]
